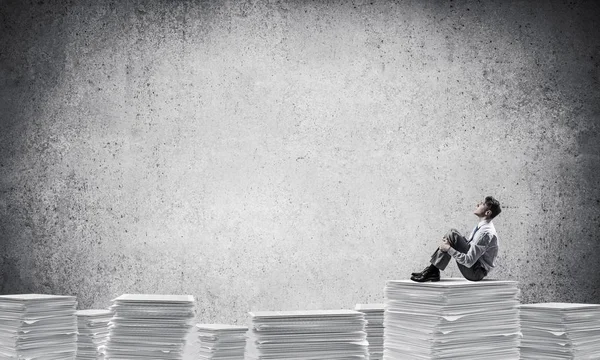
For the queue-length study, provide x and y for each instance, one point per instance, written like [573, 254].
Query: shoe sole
[428, 280]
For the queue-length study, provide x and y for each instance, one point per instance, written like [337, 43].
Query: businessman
[474, 255]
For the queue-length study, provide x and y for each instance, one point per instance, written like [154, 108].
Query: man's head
[489, 208]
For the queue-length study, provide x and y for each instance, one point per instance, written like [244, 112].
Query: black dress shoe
[420, 273]
[426, 276]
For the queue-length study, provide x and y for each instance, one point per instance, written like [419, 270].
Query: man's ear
[488, 212]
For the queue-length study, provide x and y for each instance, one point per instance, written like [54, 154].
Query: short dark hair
[493, 205]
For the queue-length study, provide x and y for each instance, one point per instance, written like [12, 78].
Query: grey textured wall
[289, 155]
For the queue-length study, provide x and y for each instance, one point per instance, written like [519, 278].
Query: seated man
[475, 256]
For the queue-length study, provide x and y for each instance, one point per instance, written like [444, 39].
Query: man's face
[481, 209]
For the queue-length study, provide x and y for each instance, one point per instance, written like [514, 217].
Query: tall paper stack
[149, 326]
[37, 327]
[560, 331]
[374, 315]
[304, 335]
[452, 319]
[92, 331]
[220, 341]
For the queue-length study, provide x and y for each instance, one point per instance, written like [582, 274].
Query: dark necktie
[474, 232]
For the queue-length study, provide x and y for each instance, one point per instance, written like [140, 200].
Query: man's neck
[483, 220]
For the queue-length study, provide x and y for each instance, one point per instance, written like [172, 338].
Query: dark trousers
[440, 259]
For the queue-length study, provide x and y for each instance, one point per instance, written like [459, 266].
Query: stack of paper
[37, 326]
[192, 345]
[92, 331]
[452, 319]
[219, 341]
[374, 316]
[149, 326]
[560, 331]
[299, 335]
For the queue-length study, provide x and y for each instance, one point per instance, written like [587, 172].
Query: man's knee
[451, 236]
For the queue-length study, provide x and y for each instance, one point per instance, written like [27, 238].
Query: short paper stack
[37, 327]
[560, 331]
[92, 331]
[304, 335]
[374, 316]
[452, 319]
[149, 326]
[220, 341]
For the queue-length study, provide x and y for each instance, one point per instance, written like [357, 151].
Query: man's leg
[458, 242]
[439, 259]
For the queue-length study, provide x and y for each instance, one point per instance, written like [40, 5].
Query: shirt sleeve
[475, 251]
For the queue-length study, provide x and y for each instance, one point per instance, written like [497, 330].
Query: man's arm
[475, 251]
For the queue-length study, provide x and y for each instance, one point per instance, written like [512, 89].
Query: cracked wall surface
[280, 155]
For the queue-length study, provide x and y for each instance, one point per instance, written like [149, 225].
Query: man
[474, 256]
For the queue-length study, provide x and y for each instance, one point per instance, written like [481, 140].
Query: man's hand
[445, 245]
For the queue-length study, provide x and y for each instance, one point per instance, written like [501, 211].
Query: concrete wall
[293, 155]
